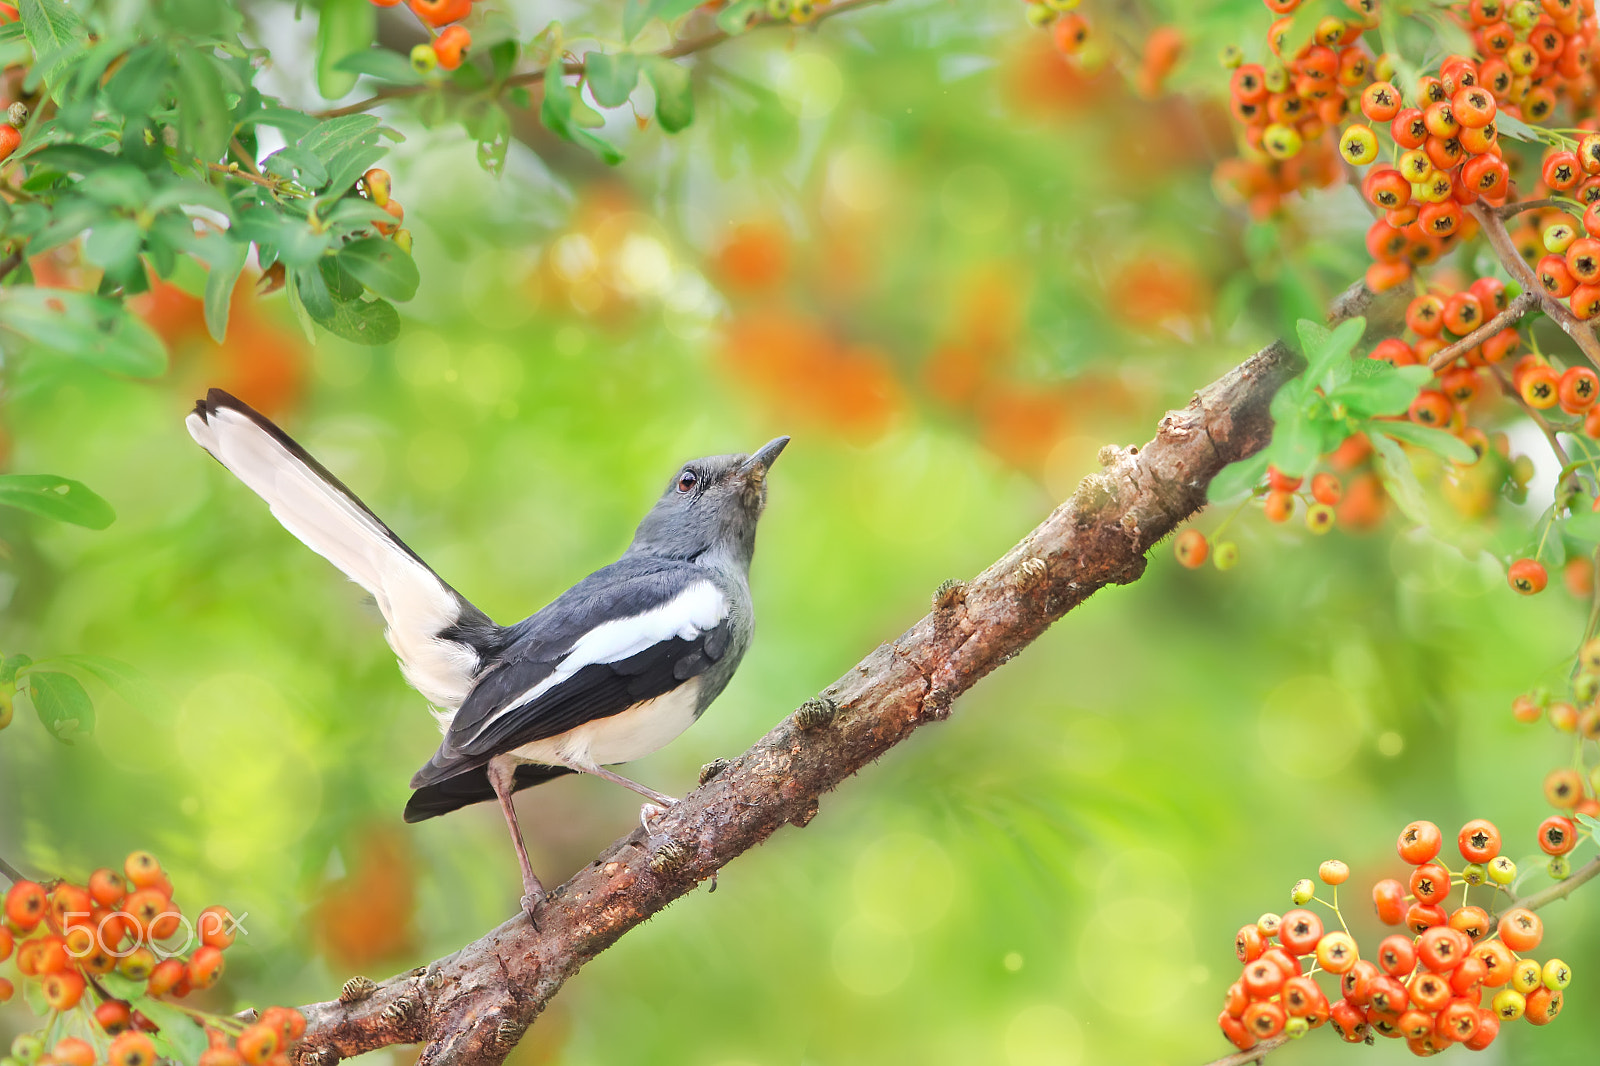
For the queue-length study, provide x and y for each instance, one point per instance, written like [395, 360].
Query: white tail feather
[416, 604]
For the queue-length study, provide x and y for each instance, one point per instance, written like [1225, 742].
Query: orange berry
[451, 46]
[25, 906]
[1527, 576]
[1191, 548]
[257, 1043]
[132, 1048]
[63, 990]
[205, 966]
[142, 869]
[1521, 929]
[1333, 872]
[1388, 899]
[7, 990]
[6, 941]
[1478, 840]
[1557, 835]
[1419, 842]
[107, 887]
[113, 1016]
[9, 139]
[215, 926]
[220, 1056]
[165, 977]
[73, 1051]
[442, 12]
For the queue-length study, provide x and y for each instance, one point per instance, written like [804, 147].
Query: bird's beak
[762, 461]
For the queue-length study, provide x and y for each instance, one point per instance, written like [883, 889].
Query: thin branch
[1562, 889]
[10, 263]
[1510, 316]
[1532, 412]
[532, 77]
[473, 1006]
[1508, 210]
[1494, 229]
[10, 873]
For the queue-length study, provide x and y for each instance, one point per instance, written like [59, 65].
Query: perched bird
[611, 670]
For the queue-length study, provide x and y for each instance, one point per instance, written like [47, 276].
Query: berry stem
[1494, 230]
[1562, 889]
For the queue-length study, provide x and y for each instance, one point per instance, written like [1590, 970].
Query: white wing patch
[415, 603]
[697, 609]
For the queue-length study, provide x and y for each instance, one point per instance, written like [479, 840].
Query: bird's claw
[531, 902]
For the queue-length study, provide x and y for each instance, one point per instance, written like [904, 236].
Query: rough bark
[472, 1006]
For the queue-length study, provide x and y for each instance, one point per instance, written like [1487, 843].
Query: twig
[472, 1006]
[1508, 210]
[10, 873]
[10, 263]
[533, 77]
[234, 170]
[1513, 312]
[1561, 889]
[1533, 413]
[1495, 231]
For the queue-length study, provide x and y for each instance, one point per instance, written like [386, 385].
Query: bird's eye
[687, 481]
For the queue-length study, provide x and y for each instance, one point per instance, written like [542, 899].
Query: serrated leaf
[611, 76]
[226, 259]
[1237, 478]
[381, 266]
[55, 497]
[1448, 445]
[1399, 480]
[1374, 393]
[674, 93]
[54, 32]
[179, 1037]
[92, 329]
[61, 704]
[344, 28]
[1324, 349]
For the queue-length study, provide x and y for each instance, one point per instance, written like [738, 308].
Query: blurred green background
[952, 267]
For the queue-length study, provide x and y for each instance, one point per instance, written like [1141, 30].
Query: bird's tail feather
[472, 787]
[318, 509]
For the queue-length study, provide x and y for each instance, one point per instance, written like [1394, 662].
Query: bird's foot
[531, 902]
[650, 812]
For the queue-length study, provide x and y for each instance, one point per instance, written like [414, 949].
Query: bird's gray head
[710, 504]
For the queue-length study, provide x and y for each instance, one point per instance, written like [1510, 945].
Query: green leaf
[119, 185]
[128, 682]
[54, 32]
[1399, 480]
[1377, 389]
[138, 86]
[1435, 440]
[346, 147]
[1324, 349]
[493, 133]
[381, 63]
[120, 987]
[55, 497]
[1236, 478]
[226, 262]
[72, 158]
[637, 13]
[611, 76]
[61, 704]
[345, 28]
[1583, 525]
[1516, 129]
[113, 245]
[1296, 445]
[556, 113]
[92, 329]
[204, 123]
[180, 1038]
[297, 163]
[674, 93]
[381, 266]
[740, 16]
[360, 321]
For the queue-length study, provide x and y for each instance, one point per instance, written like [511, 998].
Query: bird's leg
[650, 794]
[502, 772]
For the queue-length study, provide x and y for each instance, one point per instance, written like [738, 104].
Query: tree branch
[1494, 229]
[677, 50]
[473, 1006]
[10, 873]
[1509, 317]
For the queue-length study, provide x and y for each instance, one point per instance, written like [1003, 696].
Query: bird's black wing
[628, 633]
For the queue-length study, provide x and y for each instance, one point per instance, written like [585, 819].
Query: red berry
[1419, 842]
[1388, 899]
[1557, 835]
[1528, 576]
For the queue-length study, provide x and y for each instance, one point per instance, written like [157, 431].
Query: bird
[609, 671]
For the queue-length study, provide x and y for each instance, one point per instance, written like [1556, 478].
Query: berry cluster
[450, 40]
[375, 186]
[111, 950]
[1427, 985]
[1074, 38]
